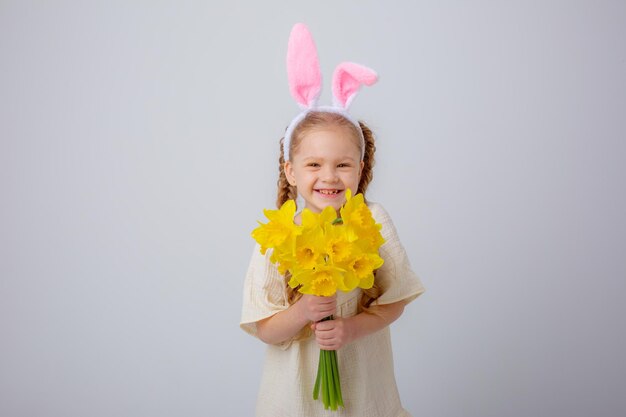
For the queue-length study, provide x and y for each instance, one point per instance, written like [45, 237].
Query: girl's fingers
[327, 300]
[327, 345]
[329, 334]
[326, 308]
[324, 325]
[325, 313]
[325, 339]
[325, 333]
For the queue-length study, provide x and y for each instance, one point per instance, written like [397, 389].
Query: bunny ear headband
[305, 82]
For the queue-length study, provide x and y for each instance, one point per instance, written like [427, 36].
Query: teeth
[329, 192]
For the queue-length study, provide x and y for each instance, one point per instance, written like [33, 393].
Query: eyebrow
[320, 157]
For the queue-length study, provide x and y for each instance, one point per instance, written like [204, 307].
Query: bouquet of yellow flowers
[324, 254]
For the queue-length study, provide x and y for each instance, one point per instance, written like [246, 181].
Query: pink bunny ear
[303, 68]
[347, 80]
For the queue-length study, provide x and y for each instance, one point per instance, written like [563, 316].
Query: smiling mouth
[328, 192]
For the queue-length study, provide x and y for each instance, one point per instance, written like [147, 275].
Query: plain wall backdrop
[139, 145]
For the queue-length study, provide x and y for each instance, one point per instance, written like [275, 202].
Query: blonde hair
[315, 120]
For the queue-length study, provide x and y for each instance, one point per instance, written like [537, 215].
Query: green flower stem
[325, 392]
[329, 379]
[316, 388]
[335, 368]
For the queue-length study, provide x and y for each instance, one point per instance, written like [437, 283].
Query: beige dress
[365, 365]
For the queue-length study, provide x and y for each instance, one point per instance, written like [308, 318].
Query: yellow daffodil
[285, 263]
[355, 211]
[360, 223]
[324, 280]
[312, 220]
[370, 238]
[280, 230]
[337, 244]
[360, 269]
[361, 265]
[310, 248]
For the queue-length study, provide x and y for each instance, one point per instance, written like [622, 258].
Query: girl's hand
[333, 334]
[315, 308]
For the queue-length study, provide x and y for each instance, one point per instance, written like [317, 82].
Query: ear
[303, 68]
[288, 168]
[348, 79]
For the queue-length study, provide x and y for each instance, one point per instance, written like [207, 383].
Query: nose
[329, 174]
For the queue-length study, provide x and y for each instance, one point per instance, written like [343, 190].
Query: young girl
[324, 153]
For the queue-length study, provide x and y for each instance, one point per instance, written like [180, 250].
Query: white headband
[305, 82]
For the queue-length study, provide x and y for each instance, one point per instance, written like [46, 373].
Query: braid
[367, 174]
[285, 190]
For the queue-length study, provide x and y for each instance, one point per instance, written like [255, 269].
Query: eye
[313, 164]
[344, 165]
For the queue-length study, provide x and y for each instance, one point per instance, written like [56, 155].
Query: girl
[324, 153]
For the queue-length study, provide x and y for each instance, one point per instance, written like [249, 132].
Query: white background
[139, 145]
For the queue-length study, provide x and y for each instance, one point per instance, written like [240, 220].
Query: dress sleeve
[263, 291]
[395, 277]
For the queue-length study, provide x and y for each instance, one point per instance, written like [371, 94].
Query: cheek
[303, 178]
[353, 178]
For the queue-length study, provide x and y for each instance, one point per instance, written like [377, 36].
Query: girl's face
[325, 164]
